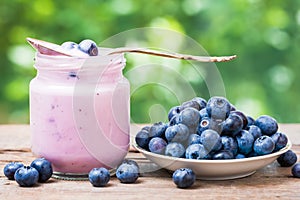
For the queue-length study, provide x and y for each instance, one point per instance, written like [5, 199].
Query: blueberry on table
[177, 133]
[157, 145]
[268, 125]
[245, 142]
[296, 170]
[10, 169]
[184, 177]
[89, 47]
[264, 145]
[44, 168]
[127, 173]
[287, 159]
[130, 162]
[26, 176]
[280, 140]
[175, 149]
[99, 177]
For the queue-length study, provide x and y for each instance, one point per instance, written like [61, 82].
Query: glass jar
[79, 113]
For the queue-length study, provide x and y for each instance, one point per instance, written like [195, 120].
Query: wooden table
[271, 182]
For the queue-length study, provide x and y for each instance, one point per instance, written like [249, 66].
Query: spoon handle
[172, 55]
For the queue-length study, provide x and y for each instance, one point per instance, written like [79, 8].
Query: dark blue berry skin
[202, 102]
[196, 151]
[89, 47]
[142, 139]
[287, 159]
[240, 156]
[127, 173]
[255, 131]
[10, 169]
[243, 117]
[245, 141]
[44, 168]
[250, 120]
[177, 133]
[173, 111]
[280, 140]
[229, 144]
[232, 125]
[211, 140]
[203, 125]
[203, 113]
[190, 117]
[26, 176]
[69, 45]
[223, 155]
[264, 145]
[157, 145]
[175, 149]
[157, 129]
[184, 177]
[176, 119]
[218, 108]
[190, 104]
[99, 177]
[268, 125]
[194, 139]
[296, 170]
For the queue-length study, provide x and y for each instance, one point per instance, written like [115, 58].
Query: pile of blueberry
[214, 130]
[40, 170]
[86, 46]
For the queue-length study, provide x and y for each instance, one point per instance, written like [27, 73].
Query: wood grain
[271, 182]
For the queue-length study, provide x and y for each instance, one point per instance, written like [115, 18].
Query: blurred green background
[263, 33]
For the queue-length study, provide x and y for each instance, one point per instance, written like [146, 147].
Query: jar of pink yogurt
[79, 112]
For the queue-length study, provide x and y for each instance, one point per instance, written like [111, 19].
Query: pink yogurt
[79, 112]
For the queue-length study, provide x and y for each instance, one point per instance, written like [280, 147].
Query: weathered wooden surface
[271, 182]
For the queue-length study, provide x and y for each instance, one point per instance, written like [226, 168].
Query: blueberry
[194, 139]
[190, 117]
[229, 144]
[44, 168]
[232, 125]
[69, 45]
[202, 102]
[99, 177]
[222, 155]
[203, 113]
[264, 145]
[146, 128]
[211, 140]
[250, 120]
[243, 117]
[157, 129]
[255, 131]
[203, 125]
[89, 47]
[10, 169]
[190, 104]
[26, 176]
[175, 149]
[142, 139]
[173, 111]
[176, 119]
[267, 125]
[245, 142]
[296, 170]
[196, 151]
[280, 140]
[157, 145]
[216, 124]
[177, 133]
[218, 108]
[240, 156]
[127, 173]
[184, 177]
[287, 159]
[130, 162]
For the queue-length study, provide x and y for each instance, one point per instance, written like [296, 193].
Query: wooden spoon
[53, 49]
